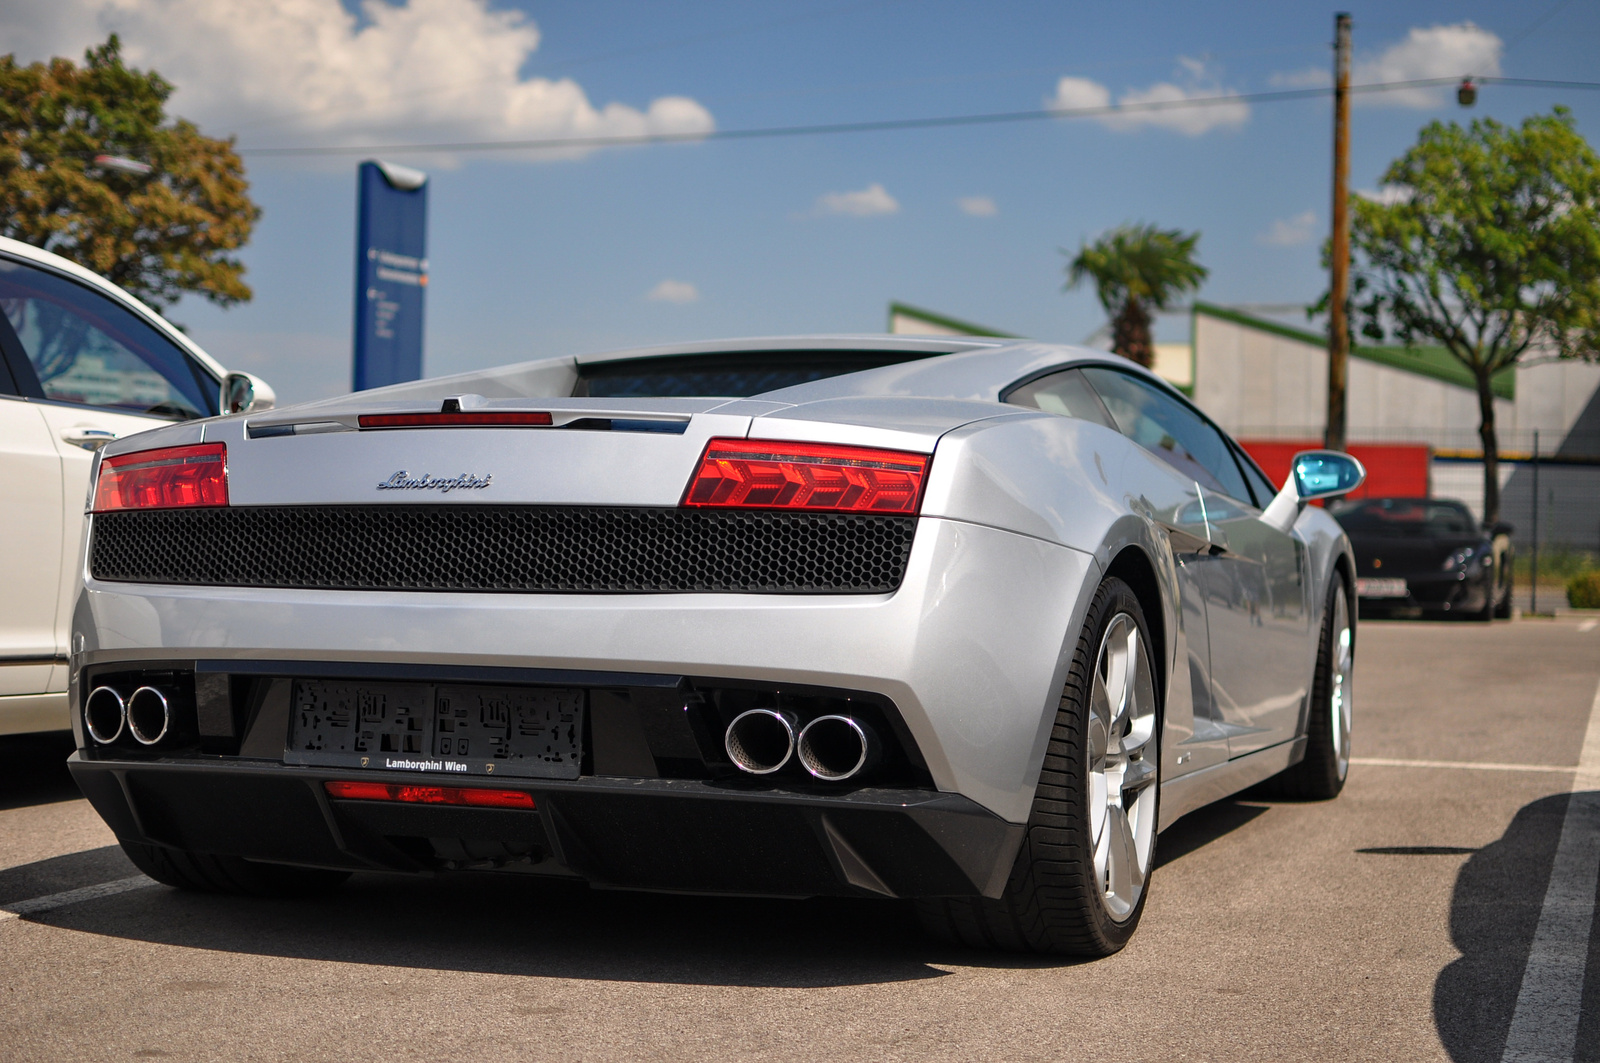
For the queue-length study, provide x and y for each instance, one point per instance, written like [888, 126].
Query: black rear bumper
[653, 834]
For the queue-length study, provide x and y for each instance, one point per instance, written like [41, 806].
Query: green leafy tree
[1137, 269]
[1488, 246]
[157, 234]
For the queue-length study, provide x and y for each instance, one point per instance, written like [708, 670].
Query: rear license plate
[1381, 588]
[521, 732]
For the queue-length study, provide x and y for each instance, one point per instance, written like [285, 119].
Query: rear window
[735, 375]
[1405, 518]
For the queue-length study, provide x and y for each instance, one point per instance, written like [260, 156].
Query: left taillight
[169, 478]
[771, 474]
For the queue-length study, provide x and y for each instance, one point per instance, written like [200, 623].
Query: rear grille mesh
[526, 549]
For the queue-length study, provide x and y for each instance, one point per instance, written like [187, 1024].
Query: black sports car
[1429, 555]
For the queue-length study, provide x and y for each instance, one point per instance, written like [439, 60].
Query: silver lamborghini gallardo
[958, 621]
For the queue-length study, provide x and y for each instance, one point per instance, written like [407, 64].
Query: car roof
[39, 257]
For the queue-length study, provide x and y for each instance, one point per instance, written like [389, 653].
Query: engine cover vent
[513, 549]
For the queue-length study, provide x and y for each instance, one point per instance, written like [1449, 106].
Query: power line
[891, 124]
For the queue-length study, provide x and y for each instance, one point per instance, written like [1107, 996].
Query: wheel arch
[1134, 567]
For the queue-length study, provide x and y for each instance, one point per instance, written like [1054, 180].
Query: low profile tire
[1080, 880]
[208, 873]
[1321, 775]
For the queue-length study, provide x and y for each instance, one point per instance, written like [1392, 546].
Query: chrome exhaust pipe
[105, 715]
[149, 716]
[760, 741]
[836, 748]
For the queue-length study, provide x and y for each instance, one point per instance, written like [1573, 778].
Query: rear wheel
[210, 873]
[1080, 880]
[1321, 774]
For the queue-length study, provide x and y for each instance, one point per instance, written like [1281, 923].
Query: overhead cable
[886, 125]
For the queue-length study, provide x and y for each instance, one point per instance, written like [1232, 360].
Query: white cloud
[1078, 94]
[978, 206]
[1290, 232]
[865, 203]
[1200, 81]
[1388, 195]
[299, 70]
[671, 291]
[1432, 52]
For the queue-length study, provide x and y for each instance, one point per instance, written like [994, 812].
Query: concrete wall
[1265, 385]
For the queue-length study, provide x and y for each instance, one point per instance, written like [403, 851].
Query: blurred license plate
[1381, 588]
[526, 732]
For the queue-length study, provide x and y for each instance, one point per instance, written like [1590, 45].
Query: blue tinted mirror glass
[1325, 473]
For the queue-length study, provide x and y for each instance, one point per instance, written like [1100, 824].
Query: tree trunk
[1130, 334]
[1491, 448]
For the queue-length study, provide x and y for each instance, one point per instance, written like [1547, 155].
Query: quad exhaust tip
[105, 715]
[836, 748]
[760, 741]
[149, 715]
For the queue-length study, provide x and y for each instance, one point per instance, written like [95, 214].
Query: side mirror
[1325, 474]
[246, 393]
[1313, 474]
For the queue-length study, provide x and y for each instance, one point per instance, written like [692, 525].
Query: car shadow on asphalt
[510, 925]
[506, 924]
[1204, 826]
[33, 770]
[1494, 911]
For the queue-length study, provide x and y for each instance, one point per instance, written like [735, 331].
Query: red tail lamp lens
[484, 419]
[429, 795]
[171, 478]
[777, 475]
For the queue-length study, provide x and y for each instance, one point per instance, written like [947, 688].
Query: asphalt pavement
[1398, 922]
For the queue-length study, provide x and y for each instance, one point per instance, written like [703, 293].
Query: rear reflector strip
[429, 795]
[169, 478]
[766, 474]
[473, 419]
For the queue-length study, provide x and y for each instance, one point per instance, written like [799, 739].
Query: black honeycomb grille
[526, 549]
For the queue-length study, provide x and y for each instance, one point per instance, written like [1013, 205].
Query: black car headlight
[1466, 558]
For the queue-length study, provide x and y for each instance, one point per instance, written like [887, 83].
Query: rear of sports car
[697, 645]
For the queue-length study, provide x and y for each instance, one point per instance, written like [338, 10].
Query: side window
[84, 348]
[1257, 479]
[1170, 430]
[1066, 393]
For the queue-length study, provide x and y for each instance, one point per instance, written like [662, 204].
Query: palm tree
[1137, 269]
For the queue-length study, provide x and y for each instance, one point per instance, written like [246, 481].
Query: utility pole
[1339, 268]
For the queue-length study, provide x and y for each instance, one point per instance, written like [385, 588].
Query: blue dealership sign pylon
[391, 274]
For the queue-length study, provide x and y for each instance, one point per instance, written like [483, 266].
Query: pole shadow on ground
[1494, 911]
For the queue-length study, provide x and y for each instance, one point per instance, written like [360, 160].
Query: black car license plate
[521, 732]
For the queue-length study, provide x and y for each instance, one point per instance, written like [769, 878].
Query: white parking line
[1544, 1026]
[35, 905]
[1478, 765]
[1588, 625]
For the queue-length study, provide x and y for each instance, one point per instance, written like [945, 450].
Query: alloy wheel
[1122, 766]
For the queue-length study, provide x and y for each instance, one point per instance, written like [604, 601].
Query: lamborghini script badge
[404, 481]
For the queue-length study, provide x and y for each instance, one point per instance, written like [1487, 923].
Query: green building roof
[1435, 362]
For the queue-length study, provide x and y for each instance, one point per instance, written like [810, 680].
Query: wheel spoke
[1121, 863]
[1140, 773]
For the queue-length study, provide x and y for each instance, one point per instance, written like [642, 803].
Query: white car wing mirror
[1313, 474]
[246, 393]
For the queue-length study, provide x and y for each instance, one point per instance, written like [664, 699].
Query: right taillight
[170, 478]
[771, 474]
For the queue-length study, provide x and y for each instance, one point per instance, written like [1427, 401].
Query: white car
[81, 364]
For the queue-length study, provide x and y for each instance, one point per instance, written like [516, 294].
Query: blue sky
[532, 257]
